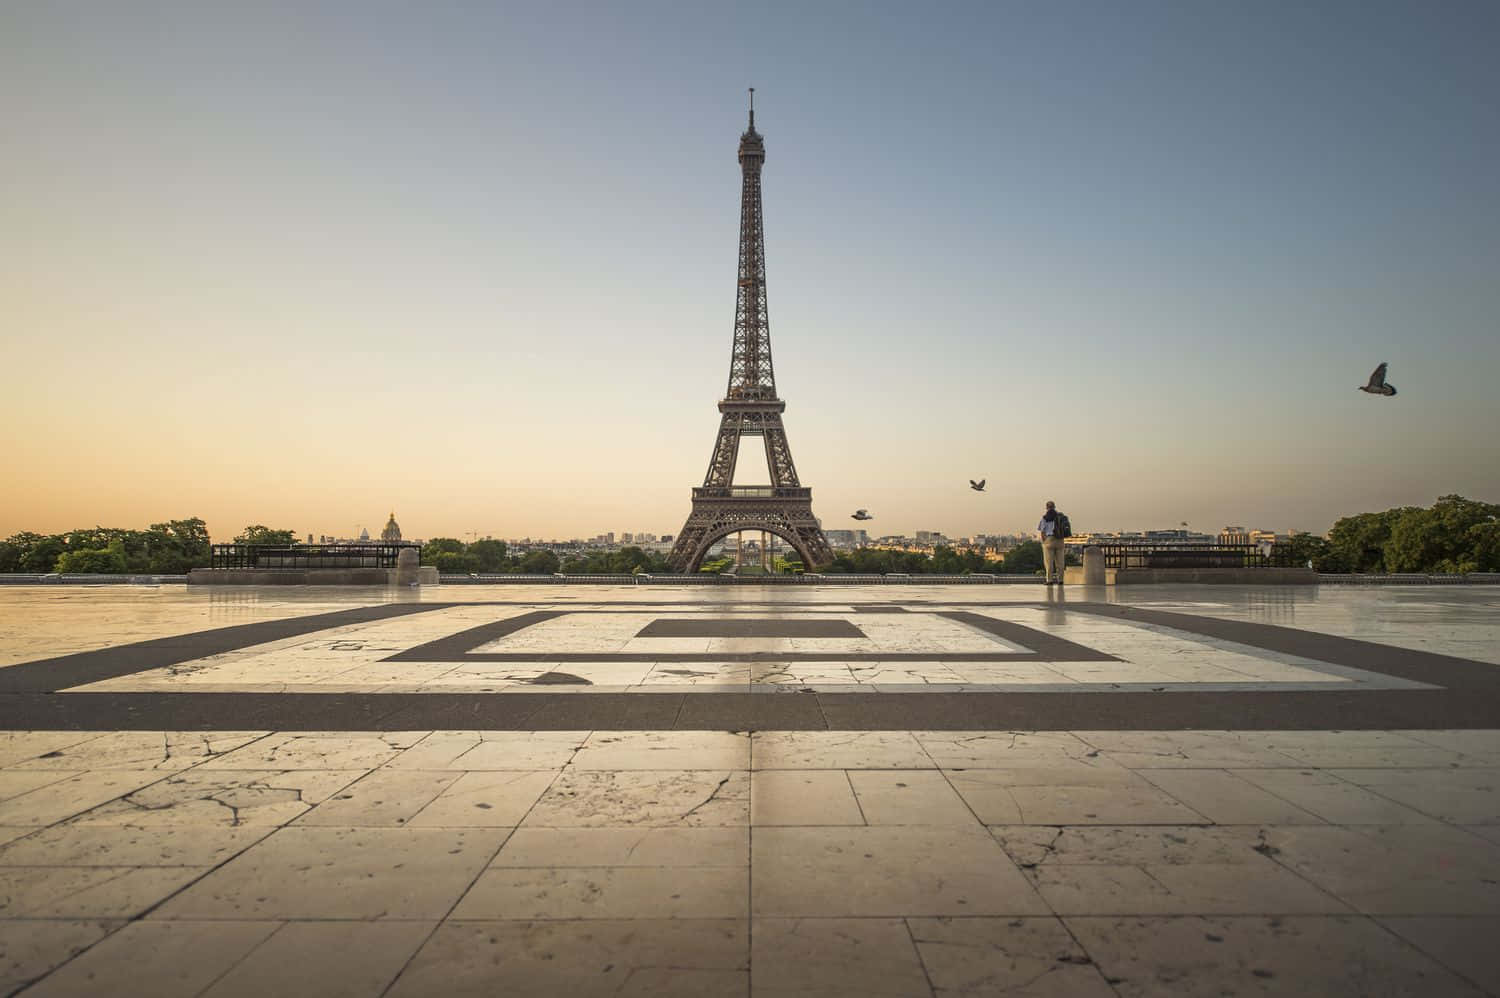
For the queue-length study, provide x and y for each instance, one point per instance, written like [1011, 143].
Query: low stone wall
[426, 576]
[1217, 576]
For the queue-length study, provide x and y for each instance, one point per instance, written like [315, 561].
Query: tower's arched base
[719, 512]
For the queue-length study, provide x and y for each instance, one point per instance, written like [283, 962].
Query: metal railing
[305, 556]
[751, 492]
[1188, 554]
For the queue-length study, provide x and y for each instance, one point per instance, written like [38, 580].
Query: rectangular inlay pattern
[733, 627]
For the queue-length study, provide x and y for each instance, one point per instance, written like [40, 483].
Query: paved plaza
[750, 790]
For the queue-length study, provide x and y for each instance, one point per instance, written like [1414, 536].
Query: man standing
[1053, 528]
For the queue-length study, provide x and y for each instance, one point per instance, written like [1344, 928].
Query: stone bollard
[1093, 565]
[407, 568]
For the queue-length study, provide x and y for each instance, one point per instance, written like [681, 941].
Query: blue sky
[474, 262]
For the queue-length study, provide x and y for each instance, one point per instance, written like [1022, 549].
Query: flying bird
[1377, 385]
[976, 486]
[861, 514]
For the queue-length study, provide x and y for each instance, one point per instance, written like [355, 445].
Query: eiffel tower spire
[751, 408]
[750, 372]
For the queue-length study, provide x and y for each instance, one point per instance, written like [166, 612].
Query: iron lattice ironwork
[750, 408]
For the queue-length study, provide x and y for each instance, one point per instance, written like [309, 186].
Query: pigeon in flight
[976, 486]
[1377, 385]
[861, 514]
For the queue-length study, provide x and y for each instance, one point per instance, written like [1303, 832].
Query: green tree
[175, 546]
[259, 534]
[41, 556]
[455, 562]
[16, 552]
[539, 563]
[1301, 550]
[94, 561]
[440, 545]
[1023, 559]
[489, 555]
[1440, 539]
[1359, 541]
[1485, 546]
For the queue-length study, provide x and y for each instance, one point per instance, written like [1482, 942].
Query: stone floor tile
[1396, 869]
[383, 797]
[1180, 889]
[1460, 796]
[1464, 945]
[15, 782]
[888, 871]
[472, 750]
[834, 956]
[1490, 833]
[487, 799]
[78, 845]
[1185, 749]
[1306, 956]
[607, 892]
[837, 750]
[161, 750]
[222, 797]
[11, 834]
[998, 800]
[1226, 799]
[676, 847]
[58, 801]
[18, 747]
[1475, 748]
[1055, 750]
[582, 959]
[803, 797]
[909, 797]
[317, 750]
[343, 873]
[156, 960]
[324, 960]
[30, 949]
[1128, 845]
[89, 891]
[691, 799]
[1023, 957]
[632, 750]
[1332, 799]
[1328, 749]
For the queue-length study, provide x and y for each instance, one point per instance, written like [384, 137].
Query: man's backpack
[1063, 529]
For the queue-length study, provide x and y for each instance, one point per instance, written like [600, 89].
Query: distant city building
[364, 535]
[392, 531]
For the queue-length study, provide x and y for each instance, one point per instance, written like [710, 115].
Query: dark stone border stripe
[66, 671]
[748, 627]
[456, 647]
[1472, 699]
[1406, 663]
[747, 711]
[1048, 647]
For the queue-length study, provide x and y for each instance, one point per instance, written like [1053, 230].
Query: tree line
[1453, 536]
[492, 557]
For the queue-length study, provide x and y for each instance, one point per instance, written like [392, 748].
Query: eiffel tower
[751, 409]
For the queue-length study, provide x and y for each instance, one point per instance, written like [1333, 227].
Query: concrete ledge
[1217, 576]
[1074, 575]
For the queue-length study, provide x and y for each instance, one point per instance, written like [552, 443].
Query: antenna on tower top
[752, 107]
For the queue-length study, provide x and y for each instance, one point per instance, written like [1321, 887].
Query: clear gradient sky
[303, 264]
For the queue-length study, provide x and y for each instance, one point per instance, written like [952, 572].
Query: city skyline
[269, 266]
